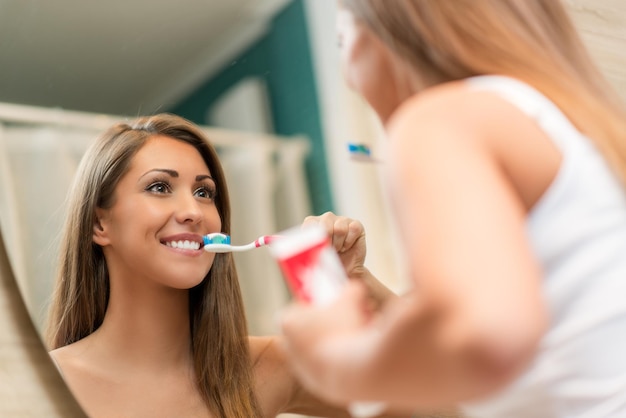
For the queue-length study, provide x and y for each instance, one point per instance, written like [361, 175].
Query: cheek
[351, 57]
[136, 217]
[212, 218]
[363, 68]
[347, 70]
[350, 36]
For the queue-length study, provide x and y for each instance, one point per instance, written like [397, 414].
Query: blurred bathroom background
[262, 77]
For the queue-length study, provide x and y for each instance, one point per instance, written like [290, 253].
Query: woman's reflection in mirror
[143, 321]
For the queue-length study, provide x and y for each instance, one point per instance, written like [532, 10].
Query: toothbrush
[220, 243]
[361, 152]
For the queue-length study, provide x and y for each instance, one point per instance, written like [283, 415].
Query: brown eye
[159, 187]
[206, 192]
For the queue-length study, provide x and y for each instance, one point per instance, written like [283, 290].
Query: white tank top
[578, 232]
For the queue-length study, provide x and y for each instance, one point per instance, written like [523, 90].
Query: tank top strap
[537, 106]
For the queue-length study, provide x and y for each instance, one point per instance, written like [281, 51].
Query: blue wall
[283, 59]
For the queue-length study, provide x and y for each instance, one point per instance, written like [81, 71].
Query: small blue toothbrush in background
[220, 243]
[361, 152]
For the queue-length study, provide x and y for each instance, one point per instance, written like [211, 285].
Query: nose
[188, 210]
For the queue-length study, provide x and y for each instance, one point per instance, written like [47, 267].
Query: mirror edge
[30, 384]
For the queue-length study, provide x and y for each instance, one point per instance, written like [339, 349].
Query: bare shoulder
[113, 387]
[274, 383]
[453, 119]
[71, 361]
[455, 108]
[81, 377]
[268, 359]
[278, 390]
[259, 345]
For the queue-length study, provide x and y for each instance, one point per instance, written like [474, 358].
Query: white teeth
[186, 245]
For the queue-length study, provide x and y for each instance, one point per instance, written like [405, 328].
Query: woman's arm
[476, 315]
[279, 391]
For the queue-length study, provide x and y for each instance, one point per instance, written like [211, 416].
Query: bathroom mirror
[71, 69]
[74, 68]
[88, 63]
[30, 384]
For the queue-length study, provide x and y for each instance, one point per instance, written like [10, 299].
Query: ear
[100, 235]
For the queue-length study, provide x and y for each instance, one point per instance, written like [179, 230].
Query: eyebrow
[174, 173]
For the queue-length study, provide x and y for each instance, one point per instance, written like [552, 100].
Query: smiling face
[162, 207]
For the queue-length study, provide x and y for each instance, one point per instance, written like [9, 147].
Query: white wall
[356, 186]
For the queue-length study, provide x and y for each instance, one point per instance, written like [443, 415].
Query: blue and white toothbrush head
[220, 243]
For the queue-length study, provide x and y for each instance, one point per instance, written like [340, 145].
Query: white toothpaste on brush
[314, 274]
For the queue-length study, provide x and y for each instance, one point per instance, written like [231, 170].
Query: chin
[187, 284]
[183, 281]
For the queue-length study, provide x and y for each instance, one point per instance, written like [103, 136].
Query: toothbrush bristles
[221, 243]
[216, 238]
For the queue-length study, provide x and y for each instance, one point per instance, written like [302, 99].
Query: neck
[146, 327]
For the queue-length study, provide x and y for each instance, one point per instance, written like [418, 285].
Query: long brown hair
[217, 320]
[534, 41]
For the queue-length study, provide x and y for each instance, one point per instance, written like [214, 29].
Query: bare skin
[108, 391]
[112, 390]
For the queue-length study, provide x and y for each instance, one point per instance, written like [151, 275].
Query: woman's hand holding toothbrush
[348, 239]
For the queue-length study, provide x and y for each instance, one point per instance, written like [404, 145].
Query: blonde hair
[534, 41]
[219, 335]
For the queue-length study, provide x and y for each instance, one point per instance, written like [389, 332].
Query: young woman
[144, 322]
[506, 169]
